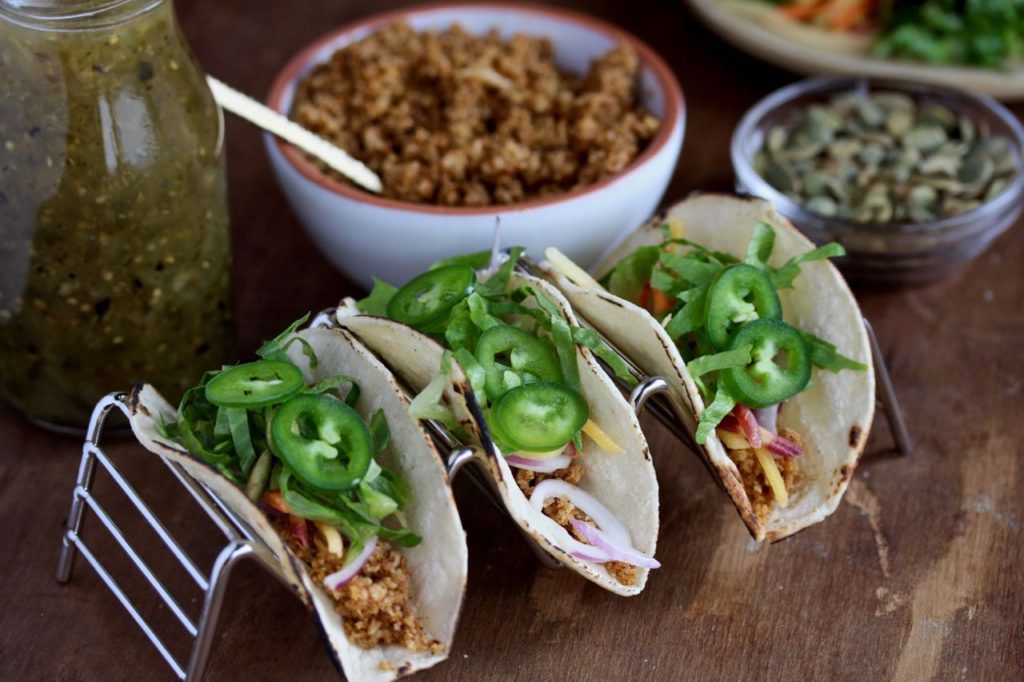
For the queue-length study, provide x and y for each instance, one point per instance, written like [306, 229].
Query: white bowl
[365, 235]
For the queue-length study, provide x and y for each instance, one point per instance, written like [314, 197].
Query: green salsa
[114, 245]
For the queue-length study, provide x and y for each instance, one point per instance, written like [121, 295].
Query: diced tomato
[730, 423]
[571, 450]
[655, 301]
[299, 529]
[660, 302]
[645, 297]
[274, 500]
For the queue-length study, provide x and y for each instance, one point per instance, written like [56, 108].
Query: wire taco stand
[242, 542]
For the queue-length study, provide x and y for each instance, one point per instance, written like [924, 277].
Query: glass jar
[114, 246]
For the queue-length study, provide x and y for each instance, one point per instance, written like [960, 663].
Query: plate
[765, 34]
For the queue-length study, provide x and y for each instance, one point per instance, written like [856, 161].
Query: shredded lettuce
[826, 356]
[588, 338]
[632, 273]
[691, 317]
[700, 366]
[428, 404]
[238, 422]
[783, 277]
[714, 413]
[332, 384]
[692, 269]
[477, 260]
[479, 313]
[355, 519]
[376, 303]
[561, 337]
[276, 349]
[762, 243]
[381, 434]
[474, 372]
[497, 283]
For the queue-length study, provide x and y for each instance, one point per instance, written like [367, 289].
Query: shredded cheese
[736, 441]
[601, 439]
[731, 440]
[569, 269]
[771, 472]
[676, 230]
[332, 537]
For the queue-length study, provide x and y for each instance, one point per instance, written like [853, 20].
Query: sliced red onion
[785, 447]
[581, 551]
[583, 501]
[768, 417]
[618, 552]
[542, 466]
[748, 425]
[338, 579]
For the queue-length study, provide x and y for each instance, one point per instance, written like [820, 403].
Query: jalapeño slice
[741, 293]
[255, 384]
[428, 298]
[538, 417]
[780, 364]
[512, 357]
[322, 440]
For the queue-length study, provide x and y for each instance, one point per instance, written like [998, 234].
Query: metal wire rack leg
[241, 545]
[242, 541]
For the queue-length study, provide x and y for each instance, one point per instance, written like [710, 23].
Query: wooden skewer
[263, 117]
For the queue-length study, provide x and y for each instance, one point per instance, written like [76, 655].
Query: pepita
[884, 157]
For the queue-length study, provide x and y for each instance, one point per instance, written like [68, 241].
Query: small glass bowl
[887, 253]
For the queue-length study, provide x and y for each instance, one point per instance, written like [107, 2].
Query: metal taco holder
[241, 542]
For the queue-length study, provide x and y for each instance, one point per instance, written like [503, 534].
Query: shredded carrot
[836, 15]
[801, 10]
[849, 16]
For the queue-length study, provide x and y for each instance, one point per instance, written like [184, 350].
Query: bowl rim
[785, 96]
[675, 105]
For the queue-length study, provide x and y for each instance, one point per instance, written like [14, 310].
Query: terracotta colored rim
[673, 95]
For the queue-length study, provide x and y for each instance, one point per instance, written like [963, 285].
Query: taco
[745, 319]
[313, 447]
[500, 359]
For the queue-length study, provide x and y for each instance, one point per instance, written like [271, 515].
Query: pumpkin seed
[977, 169]
[898, 122]
[822, 205]
[885, 157]
[777, 137]
[938, 115]
[780, 177]
[926, 138]
[996, 188]
[941, 163]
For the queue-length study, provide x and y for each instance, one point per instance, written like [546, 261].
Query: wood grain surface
[916, 576]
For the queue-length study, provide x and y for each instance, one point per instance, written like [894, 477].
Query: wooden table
[916, 576]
